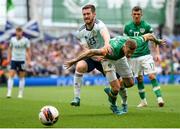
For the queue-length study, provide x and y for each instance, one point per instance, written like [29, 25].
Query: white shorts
[142, 65]
[122, 68]
[107, 65]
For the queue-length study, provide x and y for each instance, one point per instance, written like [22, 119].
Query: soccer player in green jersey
[122, 47]
[141, 61]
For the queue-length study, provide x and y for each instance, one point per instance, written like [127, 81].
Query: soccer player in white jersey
[93, 35]
[18, 52]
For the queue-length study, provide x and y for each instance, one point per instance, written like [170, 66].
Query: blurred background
[51, 26]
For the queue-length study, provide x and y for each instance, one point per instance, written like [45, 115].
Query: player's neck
[90, 26]
[18, 38]
[137, 23]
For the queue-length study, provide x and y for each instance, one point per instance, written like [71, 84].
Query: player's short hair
[136, 8]
[90, 6]
[131, 44]
[19, 29]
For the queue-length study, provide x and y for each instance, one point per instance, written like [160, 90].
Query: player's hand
[68, 64]
[8, 61]
[162, 42]
[157, 58]
[28, 62]
[108, 48]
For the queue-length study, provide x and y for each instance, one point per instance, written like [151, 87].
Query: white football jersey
[92, 38]
[19, 48]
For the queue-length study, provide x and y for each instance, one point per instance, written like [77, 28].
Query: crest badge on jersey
[94, 33]
[142, 30]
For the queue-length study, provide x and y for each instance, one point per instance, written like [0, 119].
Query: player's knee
[140, 78]
[22, 74]
[129, 83]
[152, 76]
[11, 74]
[115, 90]
[81, 67]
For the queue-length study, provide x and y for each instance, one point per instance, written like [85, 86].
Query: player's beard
[90, 23]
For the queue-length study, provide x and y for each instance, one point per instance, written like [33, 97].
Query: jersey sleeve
[28, 44]
[139, 40]
[101, 26]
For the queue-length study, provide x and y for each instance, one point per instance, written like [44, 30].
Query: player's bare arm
[28, 55]
[106, 36]
[85, 55]
[151, 37]
[9, 54]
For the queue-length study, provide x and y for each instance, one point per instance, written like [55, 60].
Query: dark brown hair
[19, 29]
[136, 8]
[90, 6]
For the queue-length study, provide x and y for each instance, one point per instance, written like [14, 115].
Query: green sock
[141, 90]
[113, 97]
[156, 88]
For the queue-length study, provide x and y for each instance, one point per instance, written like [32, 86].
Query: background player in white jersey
[93, 34]
[18, 51]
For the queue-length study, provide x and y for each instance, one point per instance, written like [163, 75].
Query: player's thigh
[21, 66]
[148, 65]
[135, 66]
[109, 70]
[99, 67]
[123, 68]
[82, 66]
[13, 69]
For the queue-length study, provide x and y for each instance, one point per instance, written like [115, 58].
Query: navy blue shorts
[92, 64]
[17, 65]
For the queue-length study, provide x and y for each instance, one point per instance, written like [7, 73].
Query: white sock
[123, 94]
[21, 85]
[77, 84]
[10, 86]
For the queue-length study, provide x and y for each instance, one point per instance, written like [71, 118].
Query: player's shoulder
[98, 25]
[13, 38]
[145, 23]
[129, 23]
[97, 21]
[25, 38]
[82, 27]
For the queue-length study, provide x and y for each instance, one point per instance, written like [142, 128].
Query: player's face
[128, 52]
[136, 15]
[88, 16]
[19, 34]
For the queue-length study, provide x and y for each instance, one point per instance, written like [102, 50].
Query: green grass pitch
[94, 110]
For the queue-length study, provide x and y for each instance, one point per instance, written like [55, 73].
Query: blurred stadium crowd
[48, 57]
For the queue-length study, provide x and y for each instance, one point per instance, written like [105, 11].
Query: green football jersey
[131, 29]
[117, 44]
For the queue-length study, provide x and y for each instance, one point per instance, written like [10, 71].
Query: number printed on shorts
[23, 66]
[152, 65]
